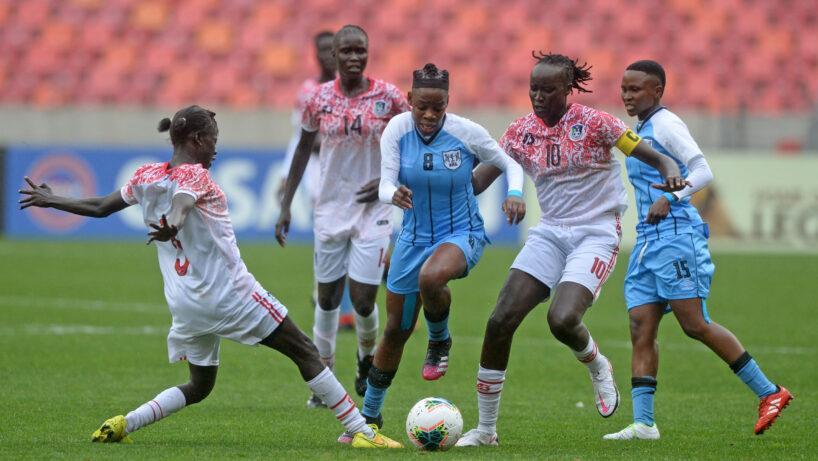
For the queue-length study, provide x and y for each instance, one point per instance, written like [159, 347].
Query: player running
[428, 156]
[670, 267]
[210, 293]
[566, 148]
[352, 230]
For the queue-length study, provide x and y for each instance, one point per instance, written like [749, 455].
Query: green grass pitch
[83, 339]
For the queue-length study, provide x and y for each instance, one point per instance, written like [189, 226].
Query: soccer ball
[434, 424]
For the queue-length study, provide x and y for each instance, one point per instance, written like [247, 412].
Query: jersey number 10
[552, 155]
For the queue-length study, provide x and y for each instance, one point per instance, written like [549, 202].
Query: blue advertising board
[249, 178]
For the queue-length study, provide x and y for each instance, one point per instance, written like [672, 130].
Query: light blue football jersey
[669, 135]
[438, 170]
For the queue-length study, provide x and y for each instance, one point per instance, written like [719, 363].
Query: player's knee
[304, 347]
[394, 335]
[695, 329]
[562, 322]
[502, 323]
[637, 328]
[431, 281]
[364, 308]
[327, 302]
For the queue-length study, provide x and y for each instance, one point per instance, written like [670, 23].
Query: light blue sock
[438, 331]
[642, 394]
[346, 301]
[373, 400]
[754, 378]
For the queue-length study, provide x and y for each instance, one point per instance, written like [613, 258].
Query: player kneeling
[210, 293]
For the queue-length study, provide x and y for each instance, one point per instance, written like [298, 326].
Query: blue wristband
[515, 193]
[670, 197]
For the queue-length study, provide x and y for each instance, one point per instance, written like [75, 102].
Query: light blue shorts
[407, 259]
[675, 267]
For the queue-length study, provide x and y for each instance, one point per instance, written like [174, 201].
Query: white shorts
[256, 320]
[364, 261]
[584, 254]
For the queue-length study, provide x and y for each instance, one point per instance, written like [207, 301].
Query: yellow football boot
[378, 441]
[111, 431]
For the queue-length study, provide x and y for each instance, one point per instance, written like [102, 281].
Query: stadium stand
[724, 56]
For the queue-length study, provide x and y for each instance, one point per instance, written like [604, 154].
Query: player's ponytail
[187, 122]
[164, 125]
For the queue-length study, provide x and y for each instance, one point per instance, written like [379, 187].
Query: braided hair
[578, 74]
[430, 77]
[187, 122]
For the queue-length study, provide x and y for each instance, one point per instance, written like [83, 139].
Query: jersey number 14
[356, 125]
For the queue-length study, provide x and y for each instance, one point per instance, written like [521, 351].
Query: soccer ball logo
[434, 424]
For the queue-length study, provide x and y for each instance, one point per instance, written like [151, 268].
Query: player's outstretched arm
[170, 223]
[666, 166]
[96, 207]
[483, 176]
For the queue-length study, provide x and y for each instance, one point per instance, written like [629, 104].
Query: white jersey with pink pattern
[350, 157]
[206, 281]
[576, 175]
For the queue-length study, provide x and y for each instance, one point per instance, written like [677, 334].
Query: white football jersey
[577, 177]
[206, 281]
[350, 157]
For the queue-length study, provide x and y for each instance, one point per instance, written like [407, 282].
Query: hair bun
[164, 125]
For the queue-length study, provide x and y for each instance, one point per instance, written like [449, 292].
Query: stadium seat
[58, 34]
[215, 36]
[32, 13]
[277, 58]
[151, 15]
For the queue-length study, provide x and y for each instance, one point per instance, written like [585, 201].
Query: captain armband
[628, 141]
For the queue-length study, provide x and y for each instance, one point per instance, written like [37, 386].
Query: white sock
[367, 329]
[328, 389]
[163, 405]
[590, 356]
[324, 331]
[489, 386]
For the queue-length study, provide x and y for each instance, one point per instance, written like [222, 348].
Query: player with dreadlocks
[566, 149]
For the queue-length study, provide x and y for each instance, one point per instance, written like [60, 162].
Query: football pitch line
[87, 304]
[149, 330]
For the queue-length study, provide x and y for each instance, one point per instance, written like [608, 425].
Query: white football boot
[477, 438]
[638, 431]
[606, 395]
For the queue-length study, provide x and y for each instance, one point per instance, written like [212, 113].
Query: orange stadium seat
[151, 15]
[215, 36]
[277, 58]
[181, 86]
[46, 94]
